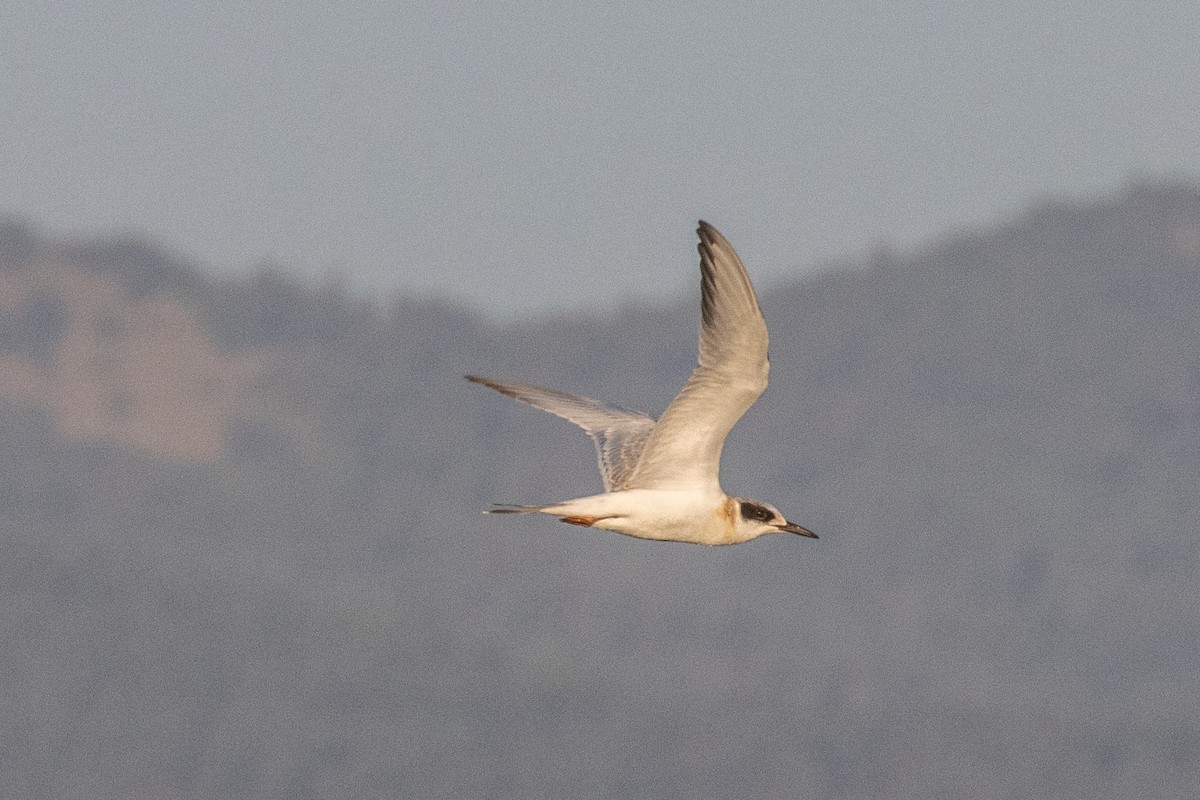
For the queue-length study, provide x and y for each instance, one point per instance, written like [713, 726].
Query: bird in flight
[661, 478]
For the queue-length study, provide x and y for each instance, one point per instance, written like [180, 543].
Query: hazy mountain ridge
[998, 439]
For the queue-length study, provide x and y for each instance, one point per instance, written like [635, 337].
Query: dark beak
[788, 527]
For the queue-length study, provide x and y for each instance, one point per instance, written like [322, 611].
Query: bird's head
[756, 518]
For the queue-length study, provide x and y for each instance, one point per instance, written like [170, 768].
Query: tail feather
[505, 508]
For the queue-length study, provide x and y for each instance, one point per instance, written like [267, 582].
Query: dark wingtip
[707, 233]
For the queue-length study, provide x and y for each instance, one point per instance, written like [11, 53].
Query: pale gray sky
[552, 155]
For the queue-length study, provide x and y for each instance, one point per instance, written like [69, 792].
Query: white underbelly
[655, 514]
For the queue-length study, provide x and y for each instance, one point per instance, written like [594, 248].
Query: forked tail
[585, 521]
[505, 508]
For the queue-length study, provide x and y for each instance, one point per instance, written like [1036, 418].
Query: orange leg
[586, 522]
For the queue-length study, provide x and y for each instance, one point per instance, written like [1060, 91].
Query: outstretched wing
[619, 435]
[684, 448]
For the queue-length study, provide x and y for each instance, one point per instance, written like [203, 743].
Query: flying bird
[661, 478]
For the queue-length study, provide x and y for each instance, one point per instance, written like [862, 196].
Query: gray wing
[619, 435]
[684, 449]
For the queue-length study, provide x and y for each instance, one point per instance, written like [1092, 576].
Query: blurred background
[247, 253]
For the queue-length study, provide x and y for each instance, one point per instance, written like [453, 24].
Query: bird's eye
[756, 513]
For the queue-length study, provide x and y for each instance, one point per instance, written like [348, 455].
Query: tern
[661, 478]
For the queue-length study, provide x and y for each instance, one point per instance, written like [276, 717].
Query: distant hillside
[243, 553]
